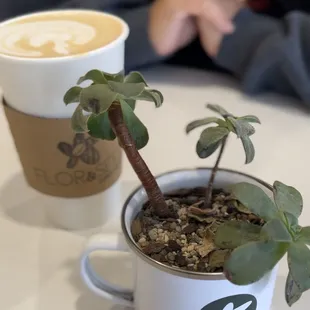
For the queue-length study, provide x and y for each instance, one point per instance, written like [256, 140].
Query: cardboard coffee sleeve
[58, 162]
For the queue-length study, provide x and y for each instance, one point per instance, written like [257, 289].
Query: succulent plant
[106, 111]
[214, 137]
[258, 249]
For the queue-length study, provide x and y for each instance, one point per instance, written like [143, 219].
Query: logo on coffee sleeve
[235, 302]
[82, 149]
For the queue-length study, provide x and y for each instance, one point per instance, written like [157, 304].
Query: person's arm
[268, 54]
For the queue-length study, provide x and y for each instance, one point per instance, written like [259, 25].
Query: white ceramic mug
[36, 86]
[158, 286]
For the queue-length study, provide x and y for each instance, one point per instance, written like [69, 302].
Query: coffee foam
[60, 33]
[57, 35]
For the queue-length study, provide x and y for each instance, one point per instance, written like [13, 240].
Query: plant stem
[148, 181]
[208, 197]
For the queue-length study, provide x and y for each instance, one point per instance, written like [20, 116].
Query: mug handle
[102, 288]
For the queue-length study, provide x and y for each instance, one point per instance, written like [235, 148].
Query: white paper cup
[36, 86]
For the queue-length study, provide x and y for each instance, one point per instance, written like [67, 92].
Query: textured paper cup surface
[59, 162]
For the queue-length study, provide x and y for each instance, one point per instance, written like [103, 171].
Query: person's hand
[172, 23]
[210, 36]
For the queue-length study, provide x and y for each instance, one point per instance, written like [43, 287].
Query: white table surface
[38, 263]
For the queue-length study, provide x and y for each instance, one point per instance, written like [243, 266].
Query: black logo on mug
[235, 302]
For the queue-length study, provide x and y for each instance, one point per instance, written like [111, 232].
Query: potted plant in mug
[201, 247]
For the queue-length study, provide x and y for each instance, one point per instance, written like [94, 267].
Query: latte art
[58, 34]
[61, 34]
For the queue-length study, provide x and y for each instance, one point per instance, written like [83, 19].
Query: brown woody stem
[148, 181]
[208, 198]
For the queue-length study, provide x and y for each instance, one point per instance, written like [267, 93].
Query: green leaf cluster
[212, 137]
[106, 90]
[257, 250]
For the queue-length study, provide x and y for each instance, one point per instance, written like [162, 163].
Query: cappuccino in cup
[42, 55]
[58, 34]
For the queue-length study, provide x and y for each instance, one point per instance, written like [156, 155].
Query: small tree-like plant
[215, 137]
[106, 111]
[257, 250]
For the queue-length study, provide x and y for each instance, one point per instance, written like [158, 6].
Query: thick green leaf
[127, 90]
[250, 119]
[218, 109]
[242, 128]
[79, 120]
[292, 292]
[201, 122]
[153, 96]
[299, 265]
[287, 198]
[292, 220]
[304, 235]
[131, 103]
[212, 135]
[94, 75]
[248, 149]
[247, 128]
[277, 231]
[99, 127]
[72, 95]
[256, 200]
[136, 128]
[205, 152]
[135, 77]
[97, 98]
[117, 77]
[233, 234]
[250, 262]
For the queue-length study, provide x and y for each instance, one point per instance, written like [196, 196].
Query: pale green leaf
[304, 235]
[233, 234]
[255, 199]
[72, 95]
[299, 265]
[248, 149]
[292, 220]
[99, 127]
[287, 198]
[135, 77]
[136, 128]
[117, 77]
[127, 90]
[292, 292]
[218, 109]
[131, 103]
[242, 128]
[252, 261]
[212, 135]
[277, 231]
[205, 152]
[235, 126]
[97, 98]
[201, 122]
[94, 75]
[250, 119]
[79, 120]
[151, 95]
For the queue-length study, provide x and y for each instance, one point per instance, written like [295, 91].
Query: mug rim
[121, 38]
[170, 269]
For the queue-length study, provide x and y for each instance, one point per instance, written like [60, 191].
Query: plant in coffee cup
[106, 111]
[240, 232]
[213, 137]
[256, 246]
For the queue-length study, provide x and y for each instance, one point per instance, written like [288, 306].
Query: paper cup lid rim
[118, 40]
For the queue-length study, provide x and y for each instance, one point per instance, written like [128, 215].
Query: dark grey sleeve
[139, 51]
[269, 54]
